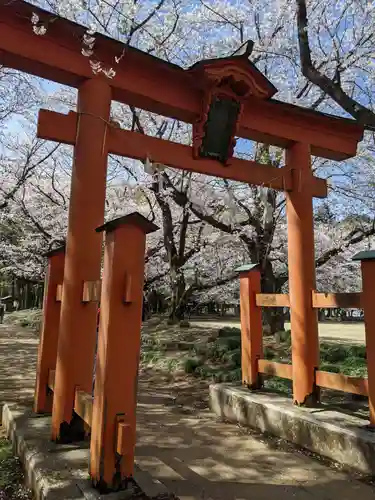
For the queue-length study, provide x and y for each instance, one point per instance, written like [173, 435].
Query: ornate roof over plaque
[236, 72]
[225, 84]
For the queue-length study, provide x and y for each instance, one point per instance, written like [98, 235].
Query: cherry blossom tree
[336, 46]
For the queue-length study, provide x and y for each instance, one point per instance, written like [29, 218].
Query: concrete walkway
[181, 443]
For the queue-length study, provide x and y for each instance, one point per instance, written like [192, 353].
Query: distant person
[145, 309]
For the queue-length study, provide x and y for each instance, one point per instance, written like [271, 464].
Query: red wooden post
[368, 300]
[49, 334]
[77, 338]
[115, 395]
[301, 263]
[251, 325]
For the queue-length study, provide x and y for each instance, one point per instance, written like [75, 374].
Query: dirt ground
[184, 446]
[18, 350]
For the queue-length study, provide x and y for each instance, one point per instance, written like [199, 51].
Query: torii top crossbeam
[147, 82]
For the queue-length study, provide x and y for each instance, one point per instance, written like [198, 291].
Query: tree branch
[332, 88]
[355, 237]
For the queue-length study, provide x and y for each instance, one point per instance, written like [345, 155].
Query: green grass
[281, 385]
[220, 360]
[218, 357]
[11, 474]
[191, 364]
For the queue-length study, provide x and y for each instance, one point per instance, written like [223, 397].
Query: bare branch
[332, 88]
[353, 238]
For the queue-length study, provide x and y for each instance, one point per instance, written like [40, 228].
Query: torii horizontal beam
[63, 128]
[147, 82]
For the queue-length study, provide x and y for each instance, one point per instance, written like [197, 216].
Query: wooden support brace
[272, 300]
[124, 436]
[83, 404]
[127, 288]
[59, 293]
[340, 382]
[282, 370]
[51, 380]
[91, 291]
[334, 300]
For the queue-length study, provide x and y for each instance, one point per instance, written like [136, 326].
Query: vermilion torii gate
[229, 94]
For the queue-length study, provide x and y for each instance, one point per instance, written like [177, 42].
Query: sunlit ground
[344, 332]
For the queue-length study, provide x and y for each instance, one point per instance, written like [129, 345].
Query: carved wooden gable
[225, 84]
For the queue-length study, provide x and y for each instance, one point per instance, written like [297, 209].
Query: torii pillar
[49, 334]
[77, 336]
[367, 260]
[119, 341]
[302, 281]
[251, 325]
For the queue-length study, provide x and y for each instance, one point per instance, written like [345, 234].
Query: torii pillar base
[115, 396]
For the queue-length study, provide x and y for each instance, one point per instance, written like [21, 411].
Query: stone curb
[33, 452]
[328, 432]
[28, 457]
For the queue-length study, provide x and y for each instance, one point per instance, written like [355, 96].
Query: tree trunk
[178, 303]
[273, 317]
[273, 320]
